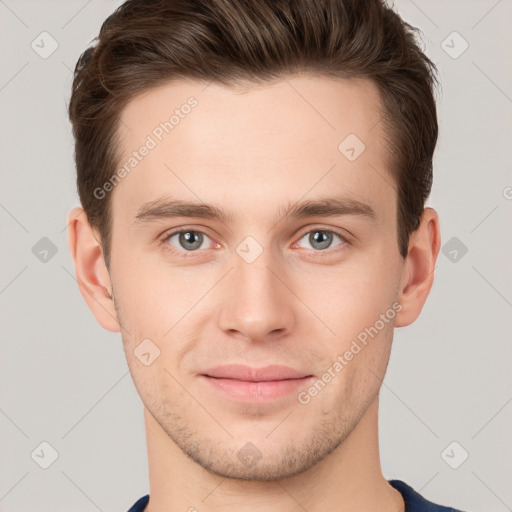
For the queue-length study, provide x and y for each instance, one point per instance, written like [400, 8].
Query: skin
[251, 150]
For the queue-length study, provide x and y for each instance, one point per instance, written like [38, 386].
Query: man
[253, 176]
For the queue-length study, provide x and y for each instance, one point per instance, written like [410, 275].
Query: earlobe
[91, 272]
[418, 271]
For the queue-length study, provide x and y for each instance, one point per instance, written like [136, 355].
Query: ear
[418, 270]
[91, 272]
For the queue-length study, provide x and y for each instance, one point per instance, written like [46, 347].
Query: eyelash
[168, 235]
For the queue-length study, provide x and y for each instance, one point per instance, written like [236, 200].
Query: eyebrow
[166, 208]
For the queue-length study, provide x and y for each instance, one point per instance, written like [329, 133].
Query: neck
[349, 479]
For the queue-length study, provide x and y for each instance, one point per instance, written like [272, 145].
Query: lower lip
[256, 391]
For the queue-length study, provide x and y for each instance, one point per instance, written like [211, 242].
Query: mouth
[246, 384]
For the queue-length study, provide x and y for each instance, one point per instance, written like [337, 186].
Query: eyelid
[307, 230]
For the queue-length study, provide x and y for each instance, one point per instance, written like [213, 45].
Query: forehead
[244, 146]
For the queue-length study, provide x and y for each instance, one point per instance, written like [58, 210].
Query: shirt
[414, 502]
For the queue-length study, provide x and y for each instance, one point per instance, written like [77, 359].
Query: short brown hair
[146, 43]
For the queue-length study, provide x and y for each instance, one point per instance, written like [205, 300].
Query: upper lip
[249, 374]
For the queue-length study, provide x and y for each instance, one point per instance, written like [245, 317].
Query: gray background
[64, 380]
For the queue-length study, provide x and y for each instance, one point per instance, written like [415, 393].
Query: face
[294, 263]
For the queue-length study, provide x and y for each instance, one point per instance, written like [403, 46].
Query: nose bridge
[255, 301]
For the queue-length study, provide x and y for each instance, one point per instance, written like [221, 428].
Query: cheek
[154, 384]
[350, 297]
[162, 305]
[151, 297]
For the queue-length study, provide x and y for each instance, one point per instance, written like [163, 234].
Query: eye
[190, 240]
[186, 239]
[321, 239]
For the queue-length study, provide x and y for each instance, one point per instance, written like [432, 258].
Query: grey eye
[320, 239]
[188, 240]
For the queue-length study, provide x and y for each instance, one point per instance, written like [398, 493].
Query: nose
[256, 302]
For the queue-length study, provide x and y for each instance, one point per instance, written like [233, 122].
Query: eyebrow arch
[329, 206]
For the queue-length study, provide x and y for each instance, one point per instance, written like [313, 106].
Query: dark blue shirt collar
[414, 502]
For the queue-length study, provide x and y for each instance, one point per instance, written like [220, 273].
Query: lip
[246, 384]
[249, 374]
